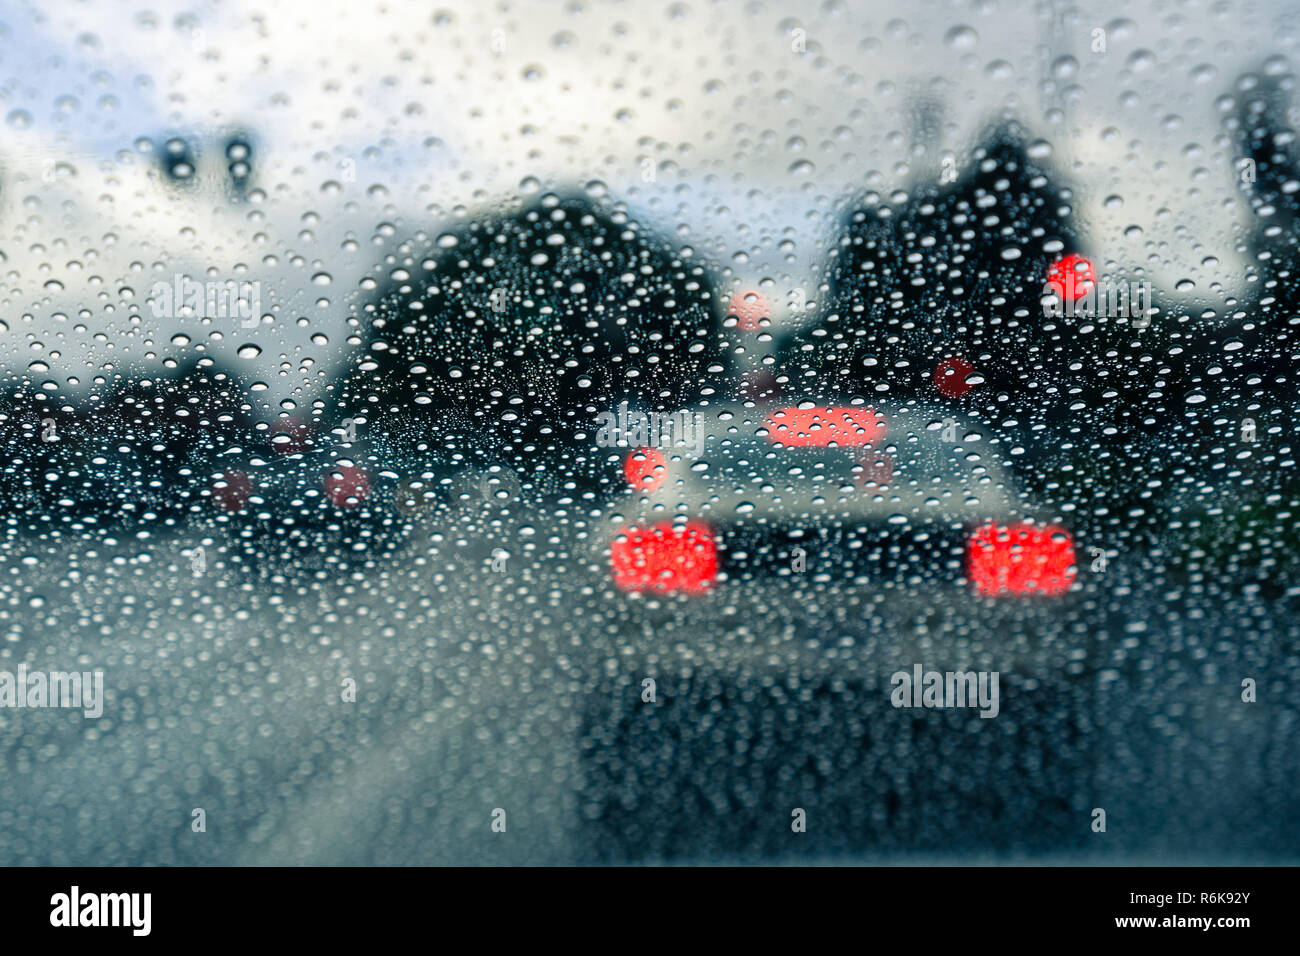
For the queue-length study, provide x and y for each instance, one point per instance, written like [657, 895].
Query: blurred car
[979, 292]
[947, 298]
[301, 501]
[868, 494]
[134, 455]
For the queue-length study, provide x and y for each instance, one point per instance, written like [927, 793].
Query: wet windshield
[598, 433]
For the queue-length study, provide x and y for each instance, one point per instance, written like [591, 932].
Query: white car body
[789, 473]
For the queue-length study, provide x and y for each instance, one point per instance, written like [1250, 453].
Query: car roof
[943, 470]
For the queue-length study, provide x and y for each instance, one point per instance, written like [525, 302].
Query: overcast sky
[393, 118]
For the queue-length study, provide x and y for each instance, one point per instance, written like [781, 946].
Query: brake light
[665, 558]
[950, 377]
[290, 436]
[819, 427]
[750, 310]
[232, 490]
[1071, 277]
[645, 468]
[1020, 559]
[346, 485]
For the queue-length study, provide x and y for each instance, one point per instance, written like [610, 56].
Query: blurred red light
[950, 377]
[665, 558]
[1071, 277]
[819, 427]
[346, 485]
[232, 491]
[1020, 559]
[750, 310]
[645, 468]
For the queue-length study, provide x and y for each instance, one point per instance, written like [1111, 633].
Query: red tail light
[232, 491]
[290, 436]
[750, 309]
[346, 485]
[645, 468]
[819, 427]
[1020, 559]
[665, 558]
[1071, 277]
[950, 377]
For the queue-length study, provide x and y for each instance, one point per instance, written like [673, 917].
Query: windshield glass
[686, 432]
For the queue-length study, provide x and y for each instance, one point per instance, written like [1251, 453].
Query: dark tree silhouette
[512, 332]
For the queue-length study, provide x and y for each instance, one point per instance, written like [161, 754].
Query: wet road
[521, 689]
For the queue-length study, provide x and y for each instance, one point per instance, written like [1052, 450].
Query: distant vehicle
[302, 501]
[982, 295]
[136, 453]
[869, 494]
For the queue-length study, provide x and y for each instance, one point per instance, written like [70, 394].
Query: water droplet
[962, 37]
[1065, 67]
